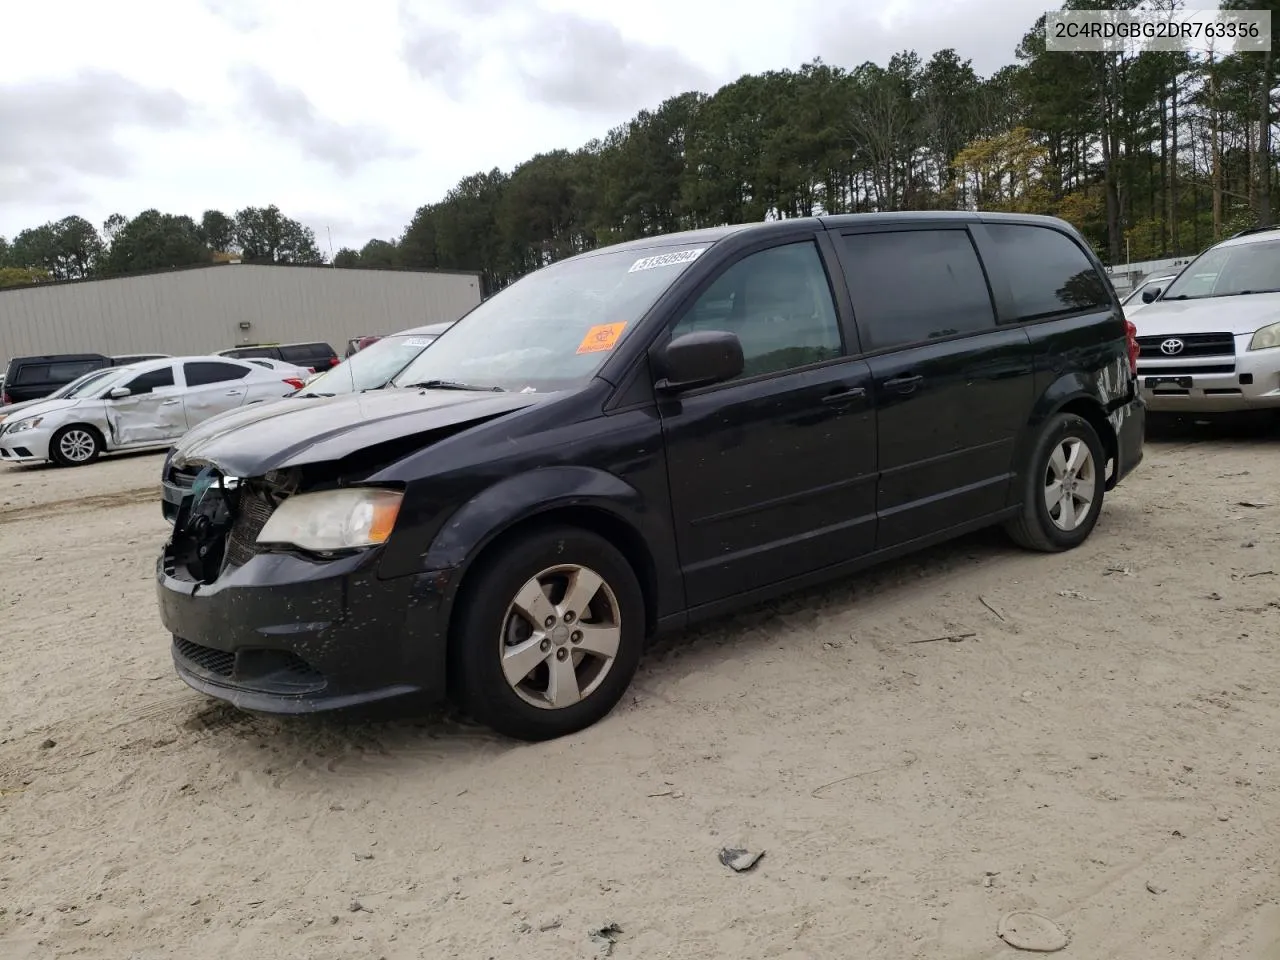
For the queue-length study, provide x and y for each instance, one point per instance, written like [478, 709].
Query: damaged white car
[143, 406]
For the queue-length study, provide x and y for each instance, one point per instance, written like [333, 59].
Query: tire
[1038, 527]
[488, 630]
[75, 445]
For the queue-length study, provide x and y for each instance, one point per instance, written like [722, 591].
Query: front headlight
[1266, 338]
[334, 519]
[24, 425]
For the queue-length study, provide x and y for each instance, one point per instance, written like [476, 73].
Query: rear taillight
[334, 361]
[1131, 335]
[5, 398]
[295, 382]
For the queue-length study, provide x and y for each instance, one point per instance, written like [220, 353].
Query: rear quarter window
[1047, 272]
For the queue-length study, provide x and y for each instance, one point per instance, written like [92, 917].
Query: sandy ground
[1099, 745]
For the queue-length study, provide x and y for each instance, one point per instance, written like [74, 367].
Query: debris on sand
[1032, 932]
[740, 860]
[605, 937]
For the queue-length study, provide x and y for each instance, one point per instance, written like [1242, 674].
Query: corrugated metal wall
[197, 311]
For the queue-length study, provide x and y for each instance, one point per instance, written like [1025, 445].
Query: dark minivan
[641, 436]
[32, 378]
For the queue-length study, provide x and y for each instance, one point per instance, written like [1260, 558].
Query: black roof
[709, 235]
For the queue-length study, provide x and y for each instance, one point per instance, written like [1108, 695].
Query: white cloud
[353, 116]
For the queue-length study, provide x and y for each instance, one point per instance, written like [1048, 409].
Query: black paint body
[720, 496]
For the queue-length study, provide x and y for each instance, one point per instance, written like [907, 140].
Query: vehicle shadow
[411, 730]
[1260, 427]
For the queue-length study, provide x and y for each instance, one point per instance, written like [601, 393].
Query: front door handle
[841, 397]
[903, 384]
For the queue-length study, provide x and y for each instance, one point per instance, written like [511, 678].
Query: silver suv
[1210, 343]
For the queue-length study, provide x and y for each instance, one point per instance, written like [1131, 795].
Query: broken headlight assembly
[331, 520]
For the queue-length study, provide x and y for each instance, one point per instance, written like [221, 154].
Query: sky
[349, 116]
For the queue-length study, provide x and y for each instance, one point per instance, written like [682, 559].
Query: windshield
[98, 386]
[372, 367]
[1229, 271]
[553, 328]
[73, 388]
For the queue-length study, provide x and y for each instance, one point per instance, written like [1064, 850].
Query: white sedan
[143, 406]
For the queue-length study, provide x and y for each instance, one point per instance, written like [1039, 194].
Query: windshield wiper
[451, 385]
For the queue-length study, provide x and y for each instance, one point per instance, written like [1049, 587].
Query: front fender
[519, 497]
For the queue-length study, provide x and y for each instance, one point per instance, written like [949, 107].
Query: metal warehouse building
[197, 310]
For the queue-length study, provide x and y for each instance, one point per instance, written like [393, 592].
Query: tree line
[1150, 154]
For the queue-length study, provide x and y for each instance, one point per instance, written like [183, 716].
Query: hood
[31, 408]
[1237, 315]
[253, 440]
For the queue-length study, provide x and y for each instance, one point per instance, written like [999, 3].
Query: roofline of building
[479, 275]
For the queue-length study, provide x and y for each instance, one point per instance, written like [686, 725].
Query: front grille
[1193, 345]
[206, 658]
[253, 512]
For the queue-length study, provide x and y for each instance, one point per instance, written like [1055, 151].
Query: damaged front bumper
[285, 633]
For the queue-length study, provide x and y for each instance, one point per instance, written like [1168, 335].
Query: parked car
[367, 370]
[145, 405]
[602, 451]
[356, 344]
[1211, 342]
[315, 357]
[32, 378]
[15, 408]
[1136, 299]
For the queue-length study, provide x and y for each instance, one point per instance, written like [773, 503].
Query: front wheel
[1062, 487]
[547, 635]
[74, 446]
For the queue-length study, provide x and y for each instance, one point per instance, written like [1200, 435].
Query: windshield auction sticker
[601, 337]
[666, 260]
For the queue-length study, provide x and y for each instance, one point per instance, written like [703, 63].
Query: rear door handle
[169, 403]
[841, 397]
[903, 384]
[234, 393]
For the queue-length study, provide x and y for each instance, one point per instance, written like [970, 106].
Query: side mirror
[699, 359]
[1150, 295]
[119, 392]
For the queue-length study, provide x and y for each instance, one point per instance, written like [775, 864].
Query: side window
[201, 372]
[72, 370]
[1048, 273]
[33, 373]
[778, 302]
[146, 382]
[911, 286]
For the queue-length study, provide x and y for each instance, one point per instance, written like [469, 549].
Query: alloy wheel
[560, 636]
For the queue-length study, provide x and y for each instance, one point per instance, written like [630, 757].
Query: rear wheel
[74, 446]
[1063, 487]
[548, 634]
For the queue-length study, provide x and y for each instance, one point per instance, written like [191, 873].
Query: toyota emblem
[1172, 347]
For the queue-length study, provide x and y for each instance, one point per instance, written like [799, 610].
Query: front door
[772, 475]
[953, 389]
[213, 387]
[151, 413]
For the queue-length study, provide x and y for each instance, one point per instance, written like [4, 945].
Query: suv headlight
[334, 519]
[1266, 338]
[21, 425]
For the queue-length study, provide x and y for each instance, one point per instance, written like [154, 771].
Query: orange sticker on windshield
[601, 337]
